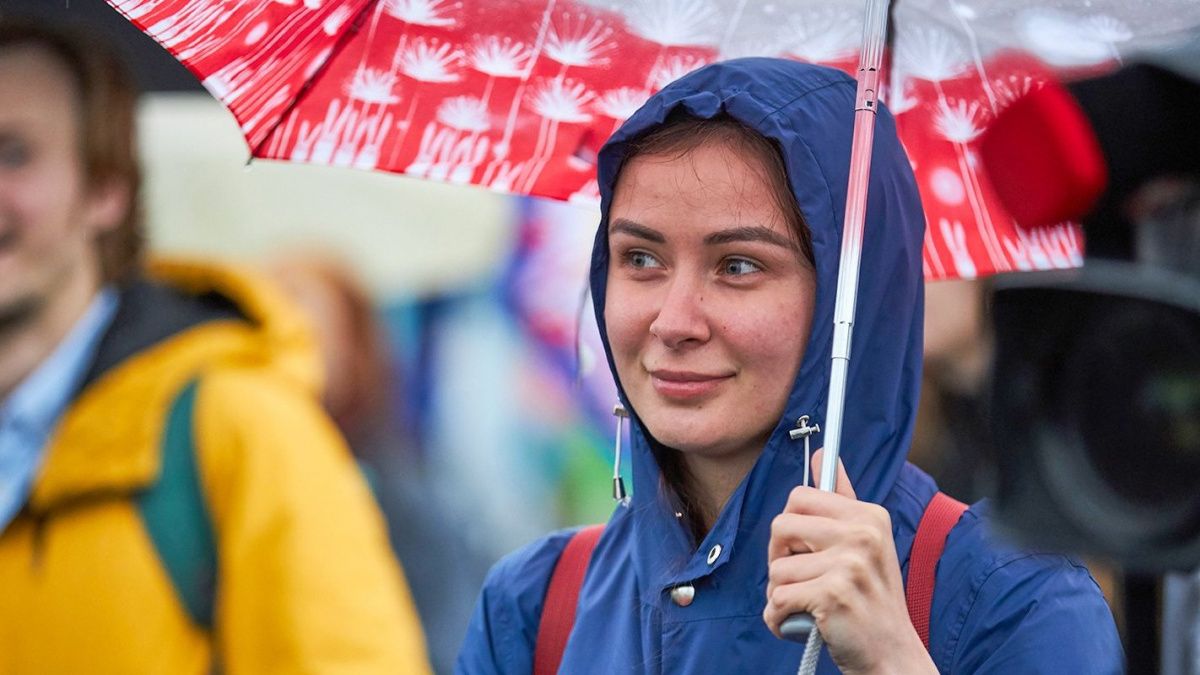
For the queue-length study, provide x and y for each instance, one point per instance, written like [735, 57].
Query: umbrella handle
[797, 627]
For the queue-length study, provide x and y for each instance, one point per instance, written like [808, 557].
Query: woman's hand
[833, 556]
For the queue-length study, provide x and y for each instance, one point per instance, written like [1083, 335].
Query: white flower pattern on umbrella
[497, 56]
[1108, 29]
[578, 40]
[898, 95]
[452, 147]
[1044, 248]
[960, 122]
[931, 261]
[673, 68]
[196, 30]
[371, 85]
[556, 101]
[333, 23]
[1065, 39]
[622, 102]
[464, 113]
[562, 101]
[1009, 89]
[675, 23]
[136, 9]
[954, 236]
[822, 34]
[930, 54]
[422, 12]
[429, 60]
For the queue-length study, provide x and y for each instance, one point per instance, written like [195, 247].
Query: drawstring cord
[619, 493]
[812, 648]
[804, 431]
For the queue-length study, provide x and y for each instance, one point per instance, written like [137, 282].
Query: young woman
[714, 275]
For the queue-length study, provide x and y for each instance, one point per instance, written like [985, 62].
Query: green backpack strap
[176, 516]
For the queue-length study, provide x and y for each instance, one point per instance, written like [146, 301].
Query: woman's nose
[681, 319]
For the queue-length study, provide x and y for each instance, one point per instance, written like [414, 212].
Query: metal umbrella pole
[801, 627]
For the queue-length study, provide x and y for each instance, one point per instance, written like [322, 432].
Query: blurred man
[172, 497]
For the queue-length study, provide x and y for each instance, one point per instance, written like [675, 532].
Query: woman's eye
[739, 267]
[641, 260]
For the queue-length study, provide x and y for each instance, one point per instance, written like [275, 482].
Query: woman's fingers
[793, 569]
[843, 486]
[782, 602]
[819, 597]
[799, 569]
[793, 533]
[813, 502]
[841, 504]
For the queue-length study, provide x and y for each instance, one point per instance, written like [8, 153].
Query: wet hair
[106, 100]
[677, 136]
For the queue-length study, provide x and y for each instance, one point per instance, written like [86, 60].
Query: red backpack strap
[562, 595]
[941, 514]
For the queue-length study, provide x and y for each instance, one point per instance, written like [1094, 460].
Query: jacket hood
[809, 112]
[183, 319]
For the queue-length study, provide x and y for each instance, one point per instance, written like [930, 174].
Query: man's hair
[106, 100]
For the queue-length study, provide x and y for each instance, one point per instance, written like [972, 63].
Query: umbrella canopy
[518, 95]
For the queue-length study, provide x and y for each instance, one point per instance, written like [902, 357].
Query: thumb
[843, 486]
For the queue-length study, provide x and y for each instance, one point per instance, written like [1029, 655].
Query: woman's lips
[685, 385]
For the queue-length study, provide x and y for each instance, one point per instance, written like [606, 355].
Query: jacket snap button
[683, 595]
[714, 553]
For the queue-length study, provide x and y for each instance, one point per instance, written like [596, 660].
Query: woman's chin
[699, 442]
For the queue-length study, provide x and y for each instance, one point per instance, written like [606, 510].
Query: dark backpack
[176, 516]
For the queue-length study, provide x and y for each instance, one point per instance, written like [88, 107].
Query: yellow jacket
[306, 581]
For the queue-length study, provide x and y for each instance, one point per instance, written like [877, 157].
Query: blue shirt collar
[37, 402]
[30, 414]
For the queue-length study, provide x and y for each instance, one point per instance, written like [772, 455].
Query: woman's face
[709, 300]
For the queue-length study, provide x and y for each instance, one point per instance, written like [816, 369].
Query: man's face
[49, 215]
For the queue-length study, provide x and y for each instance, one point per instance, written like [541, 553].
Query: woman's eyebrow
[749, 233]
[636, 230]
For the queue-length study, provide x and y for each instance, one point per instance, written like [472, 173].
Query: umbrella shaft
[866, 103]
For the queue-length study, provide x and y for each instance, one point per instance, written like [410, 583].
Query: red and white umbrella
[518, 95]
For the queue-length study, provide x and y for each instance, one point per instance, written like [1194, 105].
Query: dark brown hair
[106, 100]
[679, 134]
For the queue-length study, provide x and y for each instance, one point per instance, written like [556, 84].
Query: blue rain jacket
[995, 609]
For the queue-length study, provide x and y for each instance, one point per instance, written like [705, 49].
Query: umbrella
[518, 95]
